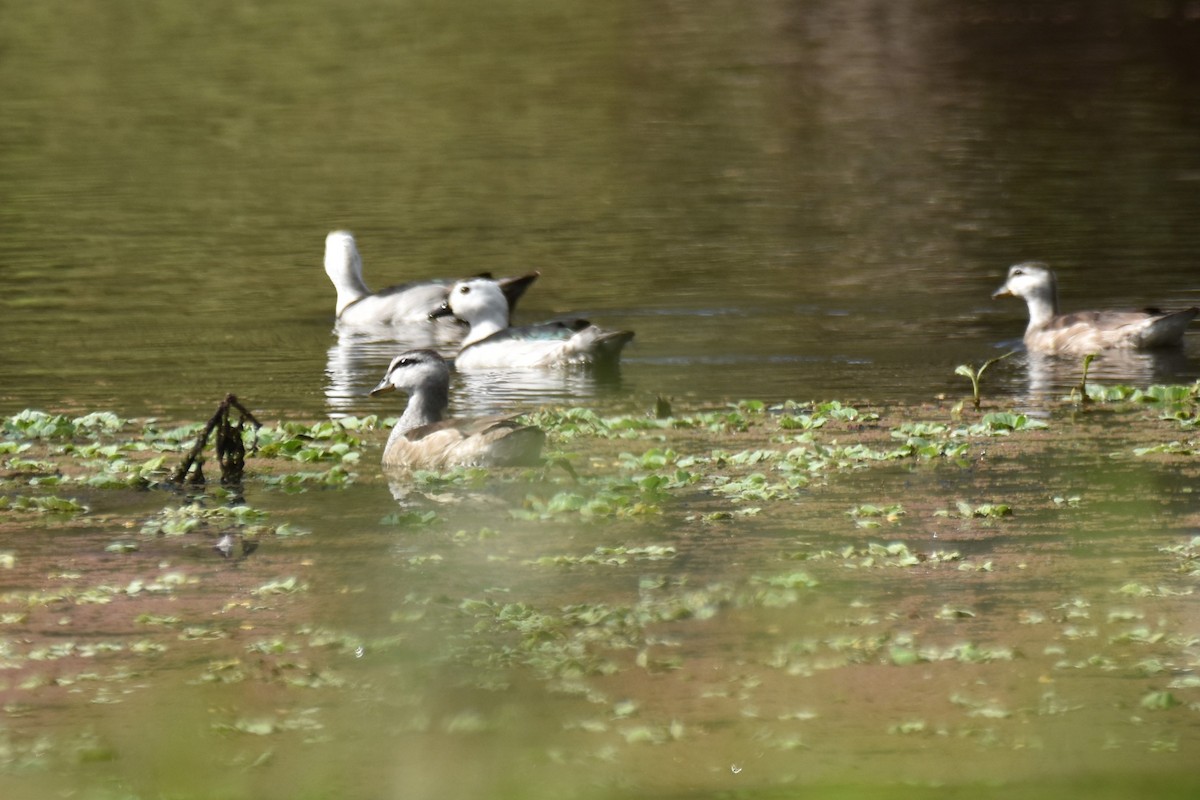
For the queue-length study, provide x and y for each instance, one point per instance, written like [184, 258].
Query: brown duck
[1082, 332]
[425, 439]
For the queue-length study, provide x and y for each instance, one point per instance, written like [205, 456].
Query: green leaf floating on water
[1159, 701]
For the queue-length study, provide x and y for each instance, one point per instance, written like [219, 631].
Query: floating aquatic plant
[1176, 401]
[571, 423]
[118, 473]
[985, 511]
[46, 504]
[336, 476]
[928, 440]
[1002, 423]
[873, 516]
[878, 555]
[757, 487]
[616, 496]
[611, 556]
[1159, 701]
[179, 520]
[33, 424]
[328, 440]
[281, 586]
[1187, 554]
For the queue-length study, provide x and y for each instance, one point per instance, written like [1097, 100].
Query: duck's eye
[464, 290]
[1017, 272]
[405, 362]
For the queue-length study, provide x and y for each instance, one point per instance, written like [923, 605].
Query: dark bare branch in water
[231, 449]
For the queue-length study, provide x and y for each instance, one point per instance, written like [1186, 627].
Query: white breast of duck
[406, 304]
[424, 439]
[1083, 332]
[492, 344]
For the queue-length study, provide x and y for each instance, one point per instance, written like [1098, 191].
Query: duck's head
[341, 256]
[475, 300]
[413, 371]
[1031, 279]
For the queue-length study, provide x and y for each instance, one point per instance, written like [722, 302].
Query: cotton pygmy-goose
[406, 304]
[492, 344]
[424, 439]
[1082, 332]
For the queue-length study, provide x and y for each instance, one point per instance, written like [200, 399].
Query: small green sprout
[975, 375]
[1084, 399]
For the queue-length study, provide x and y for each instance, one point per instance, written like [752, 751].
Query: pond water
[790, 202]
[806, 201]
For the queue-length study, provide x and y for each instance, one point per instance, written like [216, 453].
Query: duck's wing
[525, 346]
[464, 426]
[558, 330]
[483, 441]
[1090, 331]
[573, 342]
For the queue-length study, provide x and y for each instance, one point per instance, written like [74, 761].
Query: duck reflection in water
[1053, 376]
[353, 364]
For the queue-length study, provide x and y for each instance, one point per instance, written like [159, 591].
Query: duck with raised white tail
[492, 344]
[425, 439]
[407, 304]
[1083, 332]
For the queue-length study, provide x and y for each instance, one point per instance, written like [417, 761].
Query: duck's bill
[1002, 292]
[383, 388]
[441, 311]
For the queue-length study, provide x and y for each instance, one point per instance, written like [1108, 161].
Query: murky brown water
[804, 201]
[494, 637]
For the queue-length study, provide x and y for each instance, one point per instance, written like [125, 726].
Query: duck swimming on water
[1083, 332]
[492, 344]
[406, 304]
[425, 439]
